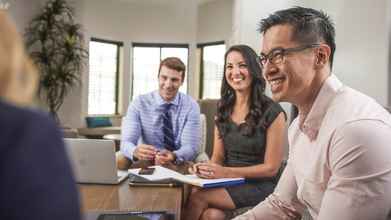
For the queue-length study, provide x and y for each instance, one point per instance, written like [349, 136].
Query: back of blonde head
[18, 77]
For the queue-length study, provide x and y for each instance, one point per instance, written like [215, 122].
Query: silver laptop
[93, 161]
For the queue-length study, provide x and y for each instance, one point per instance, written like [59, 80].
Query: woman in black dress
[248, 140]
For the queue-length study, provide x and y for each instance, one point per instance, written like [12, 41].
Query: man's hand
[164, 157]
[145, 152]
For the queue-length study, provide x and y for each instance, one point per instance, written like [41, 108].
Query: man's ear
[322, 56]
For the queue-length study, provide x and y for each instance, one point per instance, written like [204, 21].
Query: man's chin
[278, 97]
[168, 97]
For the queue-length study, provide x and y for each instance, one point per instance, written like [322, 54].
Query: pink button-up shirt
[339, 165]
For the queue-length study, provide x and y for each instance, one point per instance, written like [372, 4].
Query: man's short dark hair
[173, 63]
[309, 26]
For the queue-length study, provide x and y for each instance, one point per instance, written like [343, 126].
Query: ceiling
[165, 2]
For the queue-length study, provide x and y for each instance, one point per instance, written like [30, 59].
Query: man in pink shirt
[339, 165]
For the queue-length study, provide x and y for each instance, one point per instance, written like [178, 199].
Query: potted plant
[55, 43]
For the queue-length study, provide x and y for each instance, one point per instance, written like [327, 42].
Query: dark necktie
[168, 132]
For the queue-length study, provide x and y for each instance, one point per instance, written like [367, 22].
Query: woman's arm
[218, 148]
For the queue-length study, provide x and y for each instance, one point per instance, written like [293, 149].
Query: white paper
[162, 173]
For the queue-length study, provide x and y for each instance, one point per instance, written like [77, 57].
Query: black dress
[241, 150]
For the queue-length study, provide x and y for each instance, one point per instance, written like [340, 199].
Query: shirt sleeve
[191, 135]
[281, 204]
[131, 129]
[360, 185]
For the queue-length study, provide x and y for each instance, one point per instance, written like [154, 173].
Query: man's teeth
[237, 79]
[275, 82]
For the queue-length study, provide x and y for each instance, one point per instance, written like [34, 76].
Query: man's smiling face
[292, 79]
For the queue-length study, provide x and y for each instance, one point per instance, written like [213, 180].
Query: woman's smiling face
[236, 72]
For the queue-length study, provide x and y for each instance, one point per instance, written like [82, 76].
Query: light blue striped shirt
[143, 122]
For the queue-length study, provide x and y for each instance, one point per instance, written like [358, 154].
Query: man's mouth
[276, 83]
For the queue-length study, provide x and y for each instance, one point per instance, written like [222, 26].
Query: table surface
[122, 197]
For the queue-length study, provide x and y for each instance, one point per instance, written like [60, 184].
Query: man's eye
[243, 65]
[229, 67]
[276, 55]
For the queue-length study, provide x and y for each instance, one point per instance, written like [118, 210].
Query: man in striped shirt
[164, 125]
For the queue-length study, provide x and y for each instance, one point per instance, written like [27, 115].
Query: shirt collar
[160, 101]
[314, 119]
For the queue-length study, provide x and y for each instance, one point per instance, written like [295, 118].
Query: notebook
[93, 161]
[135, 180]
[162, 173]
[122, 215]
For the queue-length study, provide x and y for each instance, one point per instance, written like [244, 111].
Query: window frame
[201, 46]
[119, 45]
[160, 46]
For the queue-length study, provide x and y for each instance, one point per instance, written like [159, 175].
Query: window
[103, 77]
[211, 69]
[146, 60]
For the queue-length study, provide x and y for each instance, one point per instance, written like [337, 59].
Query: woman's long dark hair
[258, 101]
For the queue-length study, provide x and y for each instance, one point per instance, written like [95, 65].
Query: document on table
[162, 173]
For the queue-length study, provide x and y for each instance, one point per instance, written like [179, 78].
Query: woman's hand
[210, 170]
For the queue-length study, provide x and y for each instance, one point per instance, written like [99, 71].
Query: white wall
[214, 21]
[388, 8]
[22, 12]
[362, 37]
[247, 15]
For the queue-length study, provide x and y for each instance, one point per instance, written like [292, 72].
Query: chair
[208, 107]
[202, 155]
[69, 132]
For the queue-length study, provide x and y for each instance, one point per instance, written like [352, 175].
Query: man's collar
[160, 101]
[314, 119]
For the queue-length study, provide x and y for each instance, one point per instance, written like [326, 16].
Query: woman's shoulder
[271, 105]
[272, 110]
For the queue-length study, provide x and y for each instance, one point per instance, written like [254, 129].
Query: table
[116, 138]
[98, 132]
[122, 197]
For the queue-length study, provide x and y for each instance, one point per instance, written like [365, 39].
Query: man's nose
[269, 69]
[168, 83]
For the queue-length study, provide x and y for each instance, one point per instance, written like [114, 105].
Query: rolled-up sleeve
[191, 135]
[360, 185]
[131, 129]
[282, 204]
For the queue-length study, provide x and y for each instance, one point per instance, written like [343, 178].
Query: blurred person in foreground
[36, 179]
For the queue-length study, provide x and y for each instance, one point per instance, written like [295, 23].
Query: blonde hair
[18, 76]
